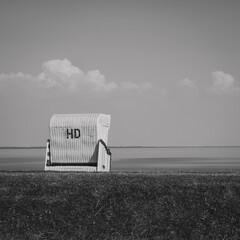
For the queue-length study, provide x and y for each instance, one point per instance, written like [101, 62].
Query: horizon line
[130, 146]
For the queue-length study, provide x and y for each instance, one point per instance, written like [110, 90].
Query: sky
[167, 71]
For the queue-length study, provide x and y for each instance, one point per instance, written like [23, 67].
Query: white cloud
[138, 87]
[189, 84]
[223, 83]
[62, 75]
[17, 81]
[61, 67]
[100, 82]
[15, 77]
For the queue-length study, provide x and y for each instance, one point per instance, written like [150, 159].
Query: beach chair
[78, 142]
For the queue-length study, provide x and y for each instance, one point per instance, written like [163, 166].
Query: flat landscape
[220, 159]
[119, 205]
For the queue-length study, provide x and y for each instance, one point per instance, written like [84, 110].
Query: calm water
[146, 159]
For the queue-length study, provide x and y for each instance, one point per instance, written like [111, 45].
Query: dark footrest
[87, 164]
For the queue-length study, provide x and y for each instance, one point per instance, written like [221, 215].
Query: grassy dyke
[46, 205]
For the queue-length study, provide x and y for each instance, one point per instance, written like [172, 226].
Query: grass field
[45, 205]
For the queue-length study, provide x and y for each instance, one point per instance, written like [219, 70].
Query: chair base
[71, 168]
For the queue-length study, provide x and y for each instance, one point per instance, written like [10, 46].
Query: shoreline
[200, 146]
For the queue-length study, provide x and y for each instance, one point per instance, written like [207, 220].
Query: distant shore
[133, 158]
[41, 147]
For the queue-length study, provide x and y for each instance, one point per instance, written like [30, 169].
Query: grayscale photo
[119, 119]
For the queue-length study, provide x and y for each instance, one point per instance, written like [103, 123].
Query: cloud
[140, 87]
[61, 67]
[17, 81]
[189, 84]
[100, 82]
[223, 83]
[61, 75]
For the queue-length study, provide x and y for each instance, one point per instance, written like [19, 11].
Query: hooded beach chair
[78, 142]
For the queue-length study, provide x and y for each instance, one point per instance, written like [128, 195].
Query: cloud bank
[62, 75]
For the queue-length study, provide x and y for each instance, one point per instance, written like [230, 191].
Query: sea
[138, 159]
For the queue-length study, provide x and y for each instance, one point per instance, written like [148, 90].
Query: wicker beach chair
[78, 142]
